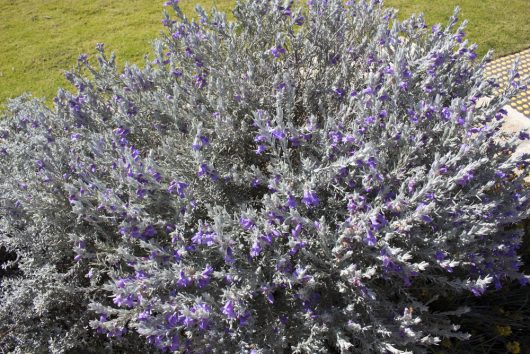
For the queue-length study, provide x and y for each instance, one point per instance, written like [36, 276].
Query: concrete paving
[518, 117]
[499, 69]
[515, 122]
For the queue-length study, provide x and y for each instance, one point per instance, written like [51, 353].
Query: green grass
[501, 25]
[40, 39]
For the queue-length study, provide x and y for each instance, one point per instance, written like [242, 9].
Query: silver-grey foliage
[293, 181]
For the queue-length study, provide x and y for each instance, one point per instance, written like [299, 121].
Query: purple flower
[278, 134]
[370, 239]
[135, 153]
[468, 176]
[437, 60]
[260, 149]
[243, 320]
[446, 113]
[477, 291]
[266, 290]
[204, 324]
[352, 206]
[228, 310]
[200, 142]
[260, 138]
[203, 170]
[524, 136]
[369, 120]
[384, 97]
[297, 247]
[83, 58]
[295, 141]
[436, 29]
[103, 317]
[204, 238]
[291, 202]
[122, 301]
[144, 315]
[247, 224]
[440, 255]
[404, 86]
[200, 80]
[368, 91]
[426, 218]
[141, 274]
[500, 174]
[183, 281]
[428, 88]
[297, 230]
[387, 261]
[378, 221]
[255, 182]
[277, 51]
[501, 113]
[140, 193]
[335, 137]
[339, 92]
[334, 59]
[202, 307]
[267, 239]
[121, 132]
[149, 231]
[207, 272]
[459, 36]
[411, 186]
[285, 11]
[172, 320]
[310, 198]
[187, 321]
[229, 259]
[371, 162]
[179, 186]
[342, 172]
[255, 250]
[299, 21]
[40, 164]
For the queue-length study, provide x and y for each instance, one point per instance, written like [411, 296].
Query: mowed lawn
[40, 39]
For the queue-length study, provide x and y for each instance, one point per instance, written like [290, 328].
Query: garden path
[499, 69]
[518, 109]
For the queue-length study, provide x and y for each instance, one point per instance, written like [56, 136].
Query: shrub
[314, 180]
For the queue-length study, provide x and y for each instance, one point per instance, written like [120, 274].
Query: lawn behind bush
[39, 39]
